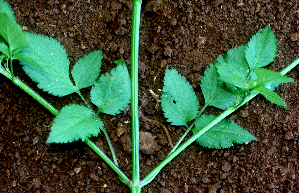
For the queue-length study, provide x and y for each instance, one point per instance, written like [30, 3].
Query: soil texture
[185, 34]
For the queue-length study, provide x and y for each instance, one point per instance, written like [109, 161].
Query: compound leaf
[87, 69]
[12, 33]
[268, 76]
[5, 8]
[212, 89]
[223, 135]
[178, 100]
[261, 49]
[52, 75]
[113, 91]
[271, 96]
[74, 122]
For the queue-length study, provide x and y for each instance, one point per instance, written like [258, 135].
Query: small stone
[289, 136]
[226, 167]
[294, 37]
[94, 177]
[148, 144]
[35, 140]
[120, 130]
[168, 51]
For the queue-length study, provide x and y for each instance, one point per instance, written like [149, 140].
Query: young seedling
[231, 81]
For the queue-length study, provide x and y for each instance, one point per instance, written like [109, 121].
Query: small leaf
[271, 96]
[87, 69]
[4, 48]
[52, 75]
[178, 100]
[269, 76]
[5, 8]
[261, 49]
[24, 58]
[223, 135]
[212, 89]
[233, 68]
[74, 122]
[113, 92]
[12, 33]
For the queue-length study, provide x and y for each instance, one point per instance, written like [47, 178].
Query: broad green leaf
[87, 69]
[212, 89]
[53, 74]
[113, 92]
[74, 122]
[261, 49]
[271, 96]
[178, 100]
[223, 135]
[233, 68]
[268, 76]
[12, 33]
[5, 8]
[4, 48]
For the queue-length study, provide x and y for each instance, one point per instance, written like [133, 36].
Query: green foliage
[74, 122]
[87, 69]
[4, 48]
[178, 101]
[267, 76]
[271, 96]
[5, 8]
[223, 135]
[214, 90]
[113, 91]
[12, 33]
[261, 49]
[53, 74]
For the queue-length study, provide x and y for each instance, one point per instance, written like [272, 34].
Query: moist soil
[186, 35]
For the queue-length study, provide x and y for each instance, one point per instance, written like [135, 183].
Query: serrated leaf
[87, 69]
[74, 122]
[271, 96]
[53, 74]
[5, 8]
[270, 77]
[113, 92]
[261, 49]
[12, 33]
[4, 48]
[223, 135]
[212, 89]
[24, 58]
[233, 68]
[178, 100]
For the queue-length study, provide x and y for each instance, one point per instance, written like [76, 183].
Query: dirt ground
[187, 35]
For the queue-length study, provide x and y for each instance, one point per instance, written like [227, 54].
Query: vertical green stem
[134, 92]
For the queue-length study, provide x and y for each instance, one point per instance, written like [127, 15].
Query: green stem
[134, 96]
[36, 96]
[110, 146]
[114, 167]
[290, 67]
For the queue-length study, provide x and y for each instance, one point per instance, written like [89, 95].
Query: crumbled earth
[185, 34]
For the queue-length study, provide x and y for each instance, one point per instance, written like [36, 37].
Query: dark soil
[187, 35]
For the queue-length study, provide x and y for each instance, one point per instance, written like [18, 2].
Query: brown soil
[187, 35]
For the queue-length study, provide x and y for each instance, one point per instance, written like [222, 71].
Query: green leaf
[212, 89]
[5, 8]
[178, 100]
[53, 74]
[74, 122]
[268, 76]
[4, 48]
[12, 33]
[271, 96]
[87, 69]
[233, 68]
[113, 92]
[223, 135]
[261, 49]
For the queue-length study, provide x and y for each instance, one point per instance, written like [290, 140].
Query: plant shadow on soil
[187, 35]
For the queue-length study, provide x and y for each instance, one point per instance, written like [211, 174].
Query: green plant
[230, 82]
